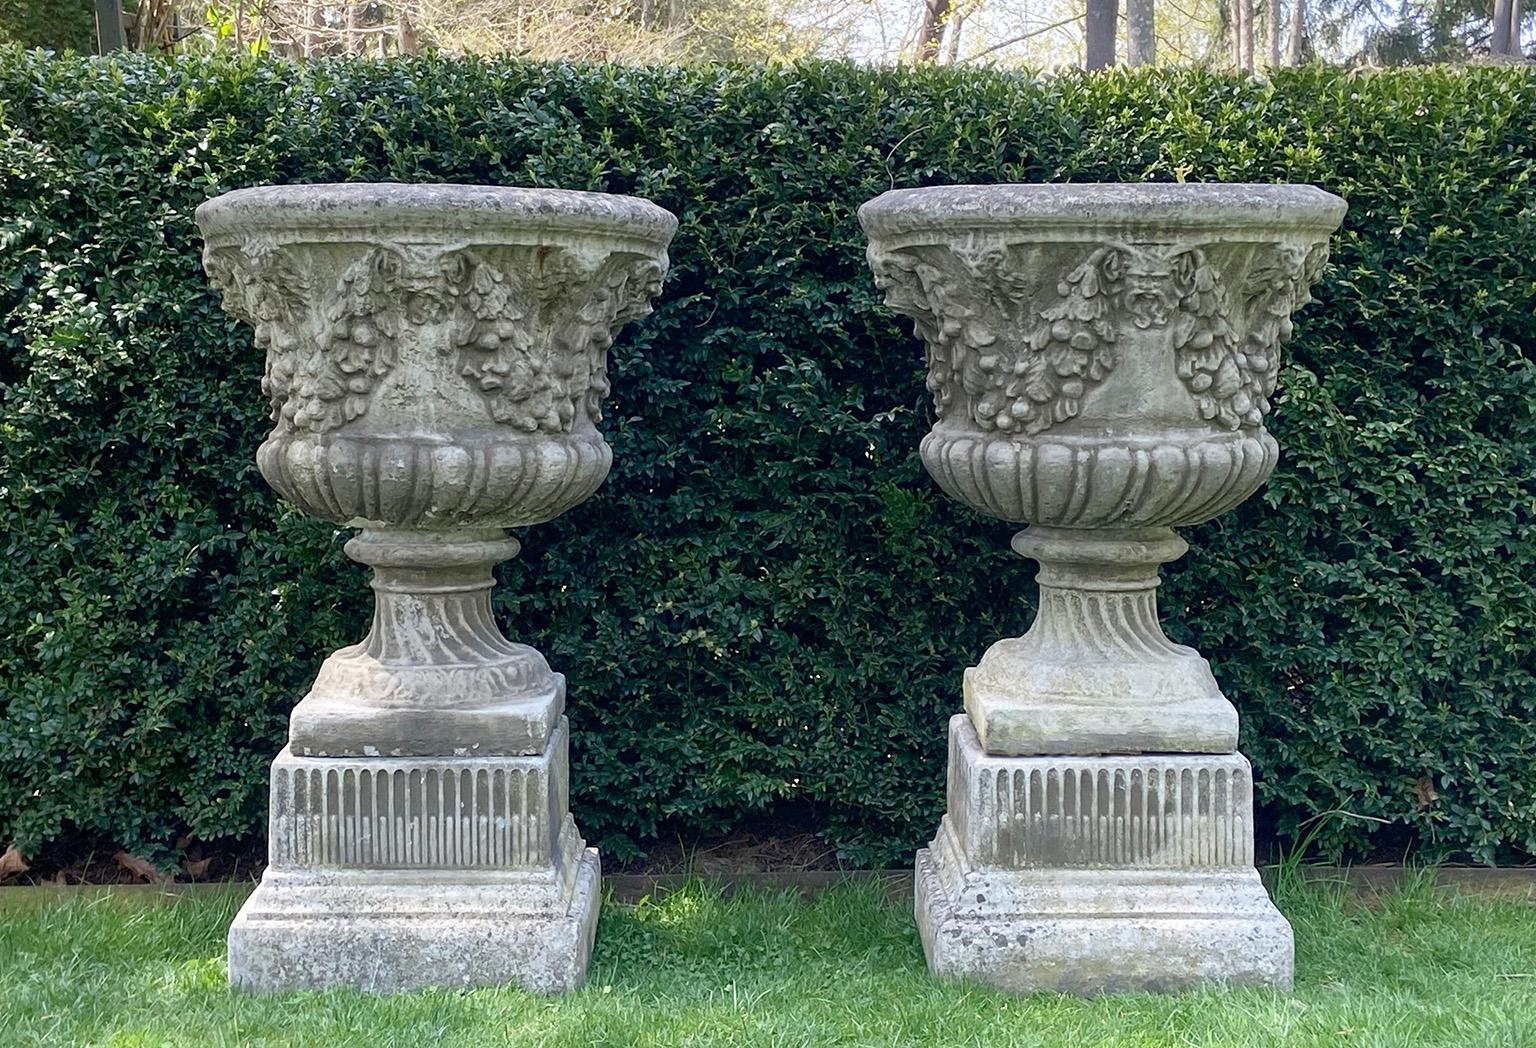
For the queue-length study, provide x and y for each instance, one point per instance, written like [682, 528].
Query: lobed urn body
[1102, 359]
[436, 363]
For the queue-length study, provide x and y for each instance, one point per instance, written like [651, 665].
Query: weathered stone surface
[426, 813]
[1102, 359]
[434, 675]
[1105, 931]
[436, 366]
[1183, 811]
[1097, 874]
[394, 874]
[1095, 674]
[385, 930]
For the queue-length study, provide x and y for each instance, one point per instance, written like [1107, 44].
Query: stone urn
[1102, 359]
[436, 364]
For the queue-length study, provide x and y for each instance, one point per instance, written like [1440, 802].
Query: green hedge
[58, 24]
[766, 610]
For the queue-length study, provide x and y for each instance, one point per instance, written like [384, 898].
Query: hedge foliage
[768, 606]
[56, 24]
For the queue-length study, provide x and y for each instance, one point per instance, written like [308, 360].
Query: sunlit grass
[1423, 966]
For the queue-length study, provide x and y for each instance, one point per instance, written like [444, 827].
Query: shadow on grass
[702, 966]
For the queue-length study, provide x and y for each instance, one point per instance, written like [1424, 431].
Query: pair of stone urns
[1101, 359]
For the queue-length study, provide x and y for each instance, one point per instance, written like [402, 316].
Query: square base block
[394, 874]
[388, 931]
[1097, 875]
[1009, 726]
[338, 724]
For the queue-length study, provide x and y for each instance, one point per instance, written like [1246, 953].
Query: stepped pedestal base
[393, 874]
[386, 931]
[1097, 875]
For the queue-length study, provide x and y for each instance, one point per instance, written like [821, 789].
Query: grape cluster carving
[530, 328]
[1010, 360]
[537, 348]
[965, 315]
[1232, 377]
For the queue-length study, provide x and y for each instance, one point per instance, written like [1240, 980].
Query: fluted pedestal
[401, 873]
[1097, 874]
[434, 676]
[1095, 674]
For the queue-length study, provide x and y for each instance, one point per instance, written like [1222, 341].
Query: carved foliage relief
[1232, 377]
[529, 327]
[535, 336]
[970, 302]
[1012, 357]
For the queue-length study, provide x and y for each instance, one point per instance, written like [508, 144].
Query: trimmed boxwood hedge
[767, 607]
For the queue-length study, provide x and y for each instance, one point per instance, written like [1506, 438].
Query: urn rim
[1066, 208]
[437, 208]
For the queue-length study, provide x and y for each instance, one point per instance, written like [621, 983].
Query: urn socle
[436, 364]
[1102, 359]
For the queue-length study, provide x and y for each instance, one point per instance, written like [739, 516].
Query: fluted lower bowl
[1094, 482]
[415, 483]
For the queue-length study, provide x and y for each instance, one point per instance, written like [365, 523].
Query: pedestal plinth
[1097, 874]
[402, 873]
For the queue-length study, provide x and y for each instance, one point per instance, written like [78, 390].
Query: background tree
[1099, 52]
[1032, 33]
[1505, 35]
[1296, 41]
[1140, 32]
[1242, 34]
[930, 29]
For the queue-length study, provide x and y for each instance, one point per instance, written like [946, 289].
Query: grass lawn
[1423, 966]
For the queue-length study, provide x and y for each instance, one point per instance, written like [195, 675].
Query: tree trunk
[1140, 33]
[1502, 17]
[930, 29]
[1273, 16]
[109, 26]
[1293, 47]
[1247, 62]
[410, 40]
[1515, 50]
[1100, 44]
[952, 40]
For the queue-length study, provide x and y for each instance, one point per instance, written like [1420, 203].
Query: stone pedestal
[1095, 674]
[1097, 874]
[436, 365]
[401, 873]
[1102, 359]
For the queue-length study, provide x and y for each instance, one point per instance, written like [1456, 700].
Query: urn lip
[440, 209]
[1135, 208]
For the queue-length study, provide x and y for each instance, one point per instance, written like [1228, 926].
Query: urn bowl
[1100, 356]
[436, 355]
